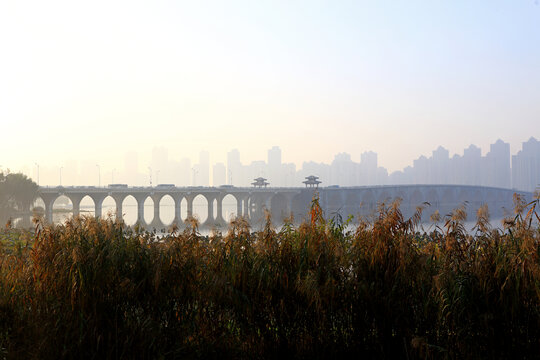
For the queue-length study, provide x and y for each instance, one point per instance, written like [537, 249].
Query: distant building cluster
[497, 169]
[526, 166]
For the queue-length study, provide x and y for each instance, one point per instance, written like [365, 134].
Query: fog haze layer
[90, 82]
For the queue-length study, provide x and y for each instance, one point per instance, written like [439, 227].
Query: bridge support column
[239, 200]
[288, 205]
[76, 202]
[49, 199]
[210, 218]
[323, 200]
[76, 208]
[98, 204]
[246, 212]
[156, 221]
[140, 210]
[219, 215]
[256, 203]
[189, 199]
[177, 207]
[267, 204]
[118, 200]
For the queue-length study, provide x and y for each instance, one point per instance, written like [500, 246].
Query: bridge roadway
[284, 202]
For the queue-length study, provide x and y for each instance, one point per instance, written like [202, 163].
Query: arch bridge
[284, 202]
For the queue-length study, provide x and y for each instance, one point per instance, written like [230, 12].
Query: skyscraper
[234, 168]
[218, 174]
[526, 166]
[202, 173]
[275, 172]
[497, 165]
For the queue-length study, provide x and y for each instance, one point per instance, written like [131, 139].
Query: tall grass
[97, 289]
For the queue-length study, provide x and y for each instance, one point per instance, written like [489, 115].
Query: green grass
[96, 289]
[14, 239]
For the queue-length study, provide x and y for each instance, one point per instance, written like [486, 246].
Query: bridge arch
[167, 207]
[200, 208]
[368, 203]
[416, 199]
[384, 197]
[38, 207]
[335, 204]
[351, 205]
[213, 203]
[432, 197]
[183, 209]
[301, 204]
[448, 201]
[501, 201]
[400, 193]
[148, 212]
[108, 207]
[129, 210]
[229, 207]
[62, 209]
[478, 198]
[87, 206]
[467, 197]
[278, 208]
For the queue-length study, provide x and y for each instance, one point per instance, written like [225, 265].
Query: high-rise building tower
[234, 168]
[275, 171]
[218, 174]
[497, 169]
[202, 169]
[526, 166]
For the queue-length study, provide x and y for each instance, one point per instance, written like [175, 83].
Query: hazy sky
[95, 79]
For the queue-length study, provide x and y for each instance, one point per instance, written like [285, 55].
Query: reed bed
[96, 289]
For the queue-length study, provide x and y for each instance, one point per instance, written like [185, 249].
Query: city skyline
[94, 81]
[497, 167]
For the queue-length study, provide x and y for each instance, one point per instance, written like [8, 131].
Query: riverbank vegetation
[99, 290]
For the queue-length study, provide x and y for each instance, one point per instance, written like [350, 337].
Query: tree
[17, 193]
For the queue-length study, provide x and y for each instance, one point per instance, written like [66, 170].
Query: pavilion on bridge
[260, 182]
[311, 181]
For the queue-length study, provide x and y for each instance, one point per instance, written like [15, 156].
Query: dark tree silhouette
[17, 192]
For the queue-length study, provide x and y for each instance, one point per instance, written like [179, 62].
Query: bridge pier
[177, 207]
[140, 209]
[98, 204]
[266, 204]
[246, 213]
[257, 203]
[210, 221]
[118, 200]
[219, 207]
[156, 222]
[48, 200]
[288, 205]
[239, 200]
[189, 199]
[76, 202]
